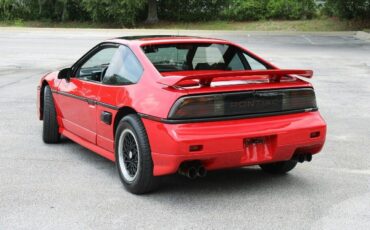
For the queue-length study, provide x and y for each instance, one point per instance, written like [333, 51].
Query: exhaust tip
[301, 158]
[192, 169]
[192, 173]
[202, 172]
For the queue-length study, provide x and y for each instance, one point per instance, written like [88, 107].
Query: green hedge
[55, 10]
[237, 10]
[190, 10]
[348, 9]
[291, 9]
[129, 12]
[11, 10]
[246, 10]
[123, 12]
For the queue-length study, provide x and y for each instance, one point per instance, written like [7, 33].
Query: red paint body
[223, 141]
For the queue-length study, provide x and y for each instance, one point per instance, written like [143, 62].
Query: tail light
[244, 103]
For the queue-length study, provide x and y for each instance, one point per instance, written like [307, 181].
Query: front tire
[50, 129]
[133, 156]
[279, 167]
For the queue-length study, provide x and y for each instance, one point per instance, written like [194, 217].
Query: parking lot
[66, 186]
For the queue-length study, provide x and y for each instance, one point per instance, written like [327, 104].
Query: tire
[133, 156]
[50, 130]
[279, 167]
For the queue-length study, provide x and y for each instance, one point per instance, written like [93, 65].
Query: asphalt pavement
[65, 186]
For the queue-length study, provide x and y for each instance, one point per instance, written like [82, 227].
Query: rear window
[203, 56]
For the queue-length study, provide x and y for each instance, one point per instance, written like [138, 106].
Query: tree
[348, 9]
[65, 13]
[152, 12]
[119, 12]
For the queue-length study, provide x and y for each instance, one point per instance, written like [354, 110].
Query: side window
[124, 68]
[93, 68]
[253, 63]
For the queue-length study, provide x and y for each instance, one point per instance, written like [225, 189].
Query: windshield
[204, 56]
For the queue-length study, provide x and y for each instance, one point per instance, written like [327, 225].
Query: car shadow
[226, 181]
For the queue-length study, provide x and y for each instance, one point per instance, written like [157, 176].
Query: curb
[363, 36]
[181, 31]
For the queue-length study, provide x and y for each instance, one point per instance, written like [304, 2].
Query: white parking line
[307, 39]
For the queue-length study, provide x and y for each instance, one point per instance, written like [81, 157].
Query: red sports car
[158, 105]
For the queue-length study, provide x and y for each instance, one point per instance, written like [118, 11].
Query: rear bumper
[227, 144]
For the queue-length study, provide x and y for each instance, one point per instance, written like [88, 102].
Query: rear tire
[133, 156]
[50, 131]
[279, 167]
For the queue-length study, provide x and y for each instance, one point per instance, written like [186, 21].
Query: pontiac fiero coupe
[158, 105]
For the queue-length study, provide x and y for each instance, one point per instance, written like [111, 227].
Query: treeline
[129, 12]
[348, 9]
[236, 10]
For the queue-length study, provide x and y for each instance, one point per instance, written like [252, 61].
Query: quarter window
[236, 63]
[254, 64]
[124, 69]
[207, 56]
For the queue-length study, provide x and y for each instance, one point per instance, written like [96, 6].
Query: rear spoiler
[206, 79]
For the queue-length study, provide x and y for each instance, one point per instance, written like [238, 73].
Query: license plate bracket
[259, 148]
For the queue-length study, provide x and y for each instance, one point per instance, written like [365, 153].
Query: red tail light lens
[197, 107]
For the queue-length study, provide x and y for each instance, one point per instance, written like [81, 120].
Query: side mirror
[65, 73]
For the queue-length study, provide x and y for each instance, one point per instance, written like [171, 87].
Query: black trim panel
[106, 117]
[107, 105]
[87, 100]
[153, 118]
[172, 121]
[169, 121]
